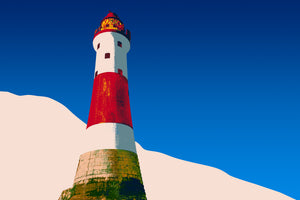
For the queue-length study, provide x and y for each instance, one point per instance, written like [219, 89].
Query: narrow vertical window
[120, 72]
[107, 55]
[98, 46]
[119, 44]
[96, 74]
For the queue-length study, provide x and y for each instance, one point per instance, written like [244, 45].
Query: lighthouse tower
[111, 171]
[110, 110]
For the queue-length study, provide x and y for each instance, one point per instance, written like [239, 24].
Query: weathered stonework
[65, 195]
[107, 164]
[107, 174]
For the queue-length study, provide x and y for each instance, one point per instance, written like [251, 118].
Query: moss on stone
[126, 189]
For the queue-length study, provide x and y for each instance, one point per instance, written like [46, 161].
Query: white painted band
[108, 44]
[110, 136]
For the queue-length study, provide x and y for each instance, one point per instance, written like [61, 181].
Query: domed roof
[111, 14]
[112, 23]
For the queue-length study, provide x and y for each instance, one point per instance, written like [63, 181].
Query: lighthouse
[110, 109]
[111, 171]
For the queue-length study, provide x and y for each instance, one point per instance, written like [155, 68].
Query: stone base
[108, 174]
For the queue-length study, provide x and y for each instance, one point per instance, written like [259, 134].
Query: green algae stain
[97, 188]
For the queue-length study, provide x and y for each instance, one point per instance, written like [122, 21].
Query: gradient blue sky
[212, 82]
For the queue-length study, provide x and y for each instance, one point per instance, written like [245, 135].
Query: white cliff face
[166, 177]
[40, 144]
[38, 139]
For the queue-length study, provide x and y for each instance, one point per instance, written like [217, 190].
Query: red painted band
[126, 34]
[110, 100]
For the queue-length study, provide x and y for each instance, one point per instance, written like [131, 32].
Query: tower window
[98, 46]
[119, 44]
[96, 74]
[107, 55]
[120, 71]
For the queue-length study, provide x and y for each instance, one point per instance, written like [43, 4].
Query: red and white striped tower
[111, 169]
[110, 109]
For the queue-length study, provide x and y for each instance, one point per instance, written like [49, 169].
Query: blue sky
[212, 82]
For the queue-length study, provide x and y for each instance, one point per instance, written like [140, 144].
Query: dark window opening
[119, 44]
[96, 74]
[107, 55]
[107, 25]
[120, 71]
[98, 46]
